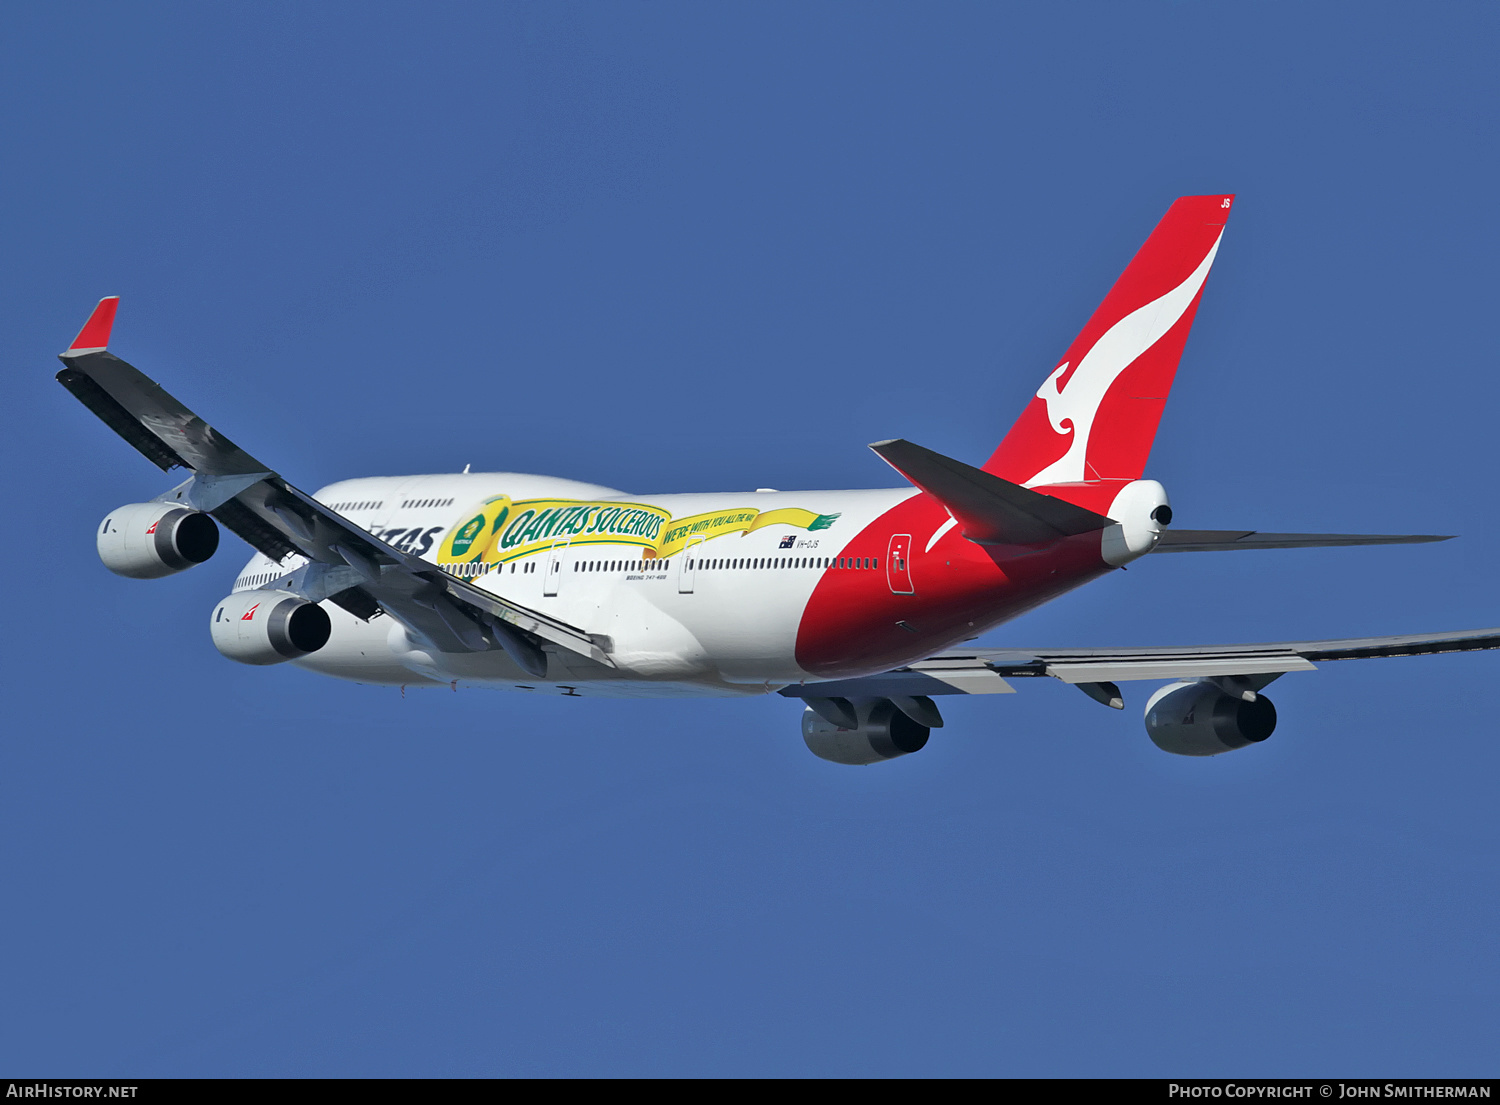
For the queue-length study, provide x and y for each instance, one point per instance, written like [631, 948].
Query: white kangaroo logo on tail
[1072, 407]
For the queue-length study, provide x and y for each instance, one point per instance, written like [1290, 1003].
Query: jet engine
[1199, 719]
[151, 540]
[268, 627]
[883, 732]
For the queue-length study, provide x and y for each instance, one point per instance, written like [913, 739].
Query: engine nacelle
[1198, 719]
[884, 733]
[151, 540]
[268, 627]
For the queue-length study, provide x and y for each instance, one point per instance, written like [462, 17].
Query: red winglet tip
[95, 332]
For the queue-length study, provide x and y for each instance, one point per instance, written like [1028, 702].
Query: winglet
[95, 332]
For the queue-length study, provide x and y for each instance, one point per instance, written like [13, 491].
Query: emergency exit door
[898, 564]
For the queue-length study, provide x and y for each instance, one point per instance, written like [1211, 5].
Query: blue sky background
[715, 247]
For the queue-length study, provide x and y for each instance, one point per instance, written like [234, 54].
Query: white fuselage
[717, 615]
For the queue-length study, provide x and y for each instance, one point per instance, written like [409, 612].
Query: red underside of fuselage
[855, 624]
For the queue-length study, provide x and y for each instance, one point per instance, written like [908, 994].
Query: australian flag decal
[788, 541]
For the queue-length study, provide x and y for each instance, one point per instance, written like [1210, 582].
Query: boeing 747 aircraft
[858, 603]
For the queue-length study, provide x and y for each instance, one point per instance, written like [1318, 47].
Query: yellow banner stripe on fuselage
[500, 530]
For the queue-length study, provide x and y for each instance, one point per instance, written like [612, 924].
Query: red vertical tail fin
[1096, 415]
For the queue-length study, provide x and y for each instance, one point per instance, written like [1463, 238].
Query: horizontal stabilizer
[988, 509]
[1220, 540]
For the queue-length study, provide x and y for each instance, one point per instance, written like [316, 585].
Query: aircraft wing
[1095, 671]
[346, 564]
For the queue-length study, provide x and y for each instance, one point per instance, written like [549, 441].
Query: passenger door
[687, 565]
[555, 561]
[898, 564]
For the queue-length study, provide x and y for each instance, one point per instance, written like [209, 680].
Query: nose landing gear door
[898, 564]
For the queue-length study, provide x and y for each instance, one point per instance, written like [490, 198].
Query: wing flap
[1184, 667]
[925, 679]
[406, 586]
